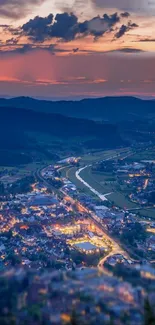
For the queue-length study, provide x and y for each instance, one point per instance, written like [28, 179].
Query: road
[116, 246]
[102, 197]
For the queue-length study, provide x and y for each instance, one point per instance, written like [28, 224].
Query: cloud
[75, 50]
[17, 8]
[10, 49]
[98, 26]
[71, 5]
[127, 5]
[125, 14]
[12, 41]
[124, 29]
[147, 40]
[38, 28]
[66, 26]
[53, 50]
[129, 50]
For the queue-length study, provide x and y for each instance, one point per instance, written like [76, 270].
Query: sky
[63, 49]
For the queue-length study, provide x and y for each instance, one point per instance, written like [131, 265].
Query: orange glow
[65, 318]
[66, 72]
[24, 227]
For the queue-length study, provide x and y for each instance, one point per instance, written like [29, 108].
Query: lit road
[115, 244]
[116, 248]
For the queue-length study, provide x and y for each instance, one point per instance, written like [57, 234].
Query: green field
[100, 155]
[94, 180]
[150, 213]
[101, 184]
[121, 201]
[104, 182]
[16, 173]
[148, 154]
[70, 174]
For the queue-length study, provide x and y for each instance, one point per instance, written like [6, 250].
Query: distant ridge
[107, 108]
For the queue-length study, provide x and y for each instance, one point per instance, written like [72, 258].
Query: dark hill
[108, 108]
[55, 124]
[16, 124]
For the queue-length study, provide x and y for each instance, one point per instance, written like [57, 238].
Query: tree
[15, 259]
[149, 315]
[2, 189]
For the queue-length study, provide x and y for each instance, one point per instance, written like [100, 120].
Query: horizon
[74, 99]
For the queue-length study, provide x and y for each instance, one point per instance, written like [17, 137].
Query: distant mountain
[108, 108]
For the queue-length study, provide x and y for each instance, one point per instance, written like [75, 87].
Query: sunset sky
[77, 48]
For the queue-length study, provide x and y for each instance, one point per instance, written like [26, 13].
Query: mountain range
[108, 108]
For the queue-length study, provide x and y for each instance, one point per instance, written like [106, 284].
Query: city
[57, 226]
[77, 162]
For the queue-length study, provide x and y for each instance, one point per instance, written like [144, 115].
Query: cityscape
[51, 222]
[77, 162]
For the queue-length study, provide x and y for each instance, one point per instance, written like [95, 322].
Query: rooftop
[43, 200]
[87, 246]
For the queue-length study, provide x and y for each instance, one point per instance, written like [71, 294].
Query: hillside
[16, 126]
[54, 124]
[108, 108]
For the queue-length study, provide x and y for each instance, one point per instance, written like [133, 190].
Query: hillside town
[52, 226]
[55, 225]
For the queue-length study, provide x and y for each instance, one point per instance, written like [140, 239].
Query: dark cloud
[12, 41]
[38, 28]
[52, 49]
[9, 48]
[129, 50]
[98, 26]
[24, 49]
[124, 29]
[125, 14]
[75, 50]
[66, 27]
[17, 8]
[147, 40]
[13, 31]
[132, 25]
[4, 26]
